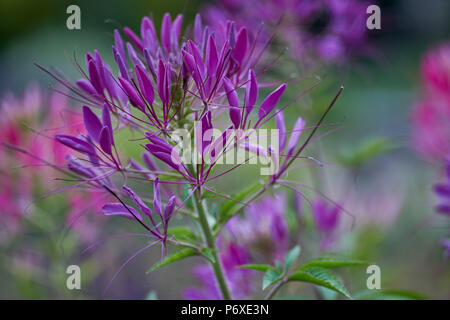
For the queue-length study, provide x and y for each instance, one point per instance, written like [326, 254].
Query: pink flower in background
[263, 228]
[431, 115]
[442, 190]
[435, 70]
[327, 220]
[29, 123]
[240, 281]
[261, 234]
[431, 120]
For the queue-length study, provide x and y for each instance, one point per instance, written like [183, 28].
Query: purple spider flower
[442, 190]
[327, 221]
[175, 84]
[240, 281]
[263, 228]
[331, 30]
[165, 213]
[445, 243]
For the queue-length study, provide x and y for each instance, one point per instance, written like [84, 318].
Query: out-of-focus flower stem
[275, 289]
[211, 242]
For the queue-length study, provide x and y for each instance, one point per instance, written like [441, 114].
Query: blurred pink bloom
[29, 122]
[431, 115]
[263, 228]
[327, 220]
[435, 69]
[240, 281]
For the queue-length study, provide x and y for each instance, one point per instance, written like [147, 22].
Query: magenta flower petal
[251, 92]
[138, 201]
[148, 33]
[271, 101]
[281, 126]
[106, 119]
[176, 26]
[78, 168]
[132, 94]
[149, 162]
[298, 127]
[161, 82]
[232, 96]
[166, 31]
[145, 85]
[197, 57]
[233, 100]
[211, 56]
[118, 43]
[157, 197]
[121, 64]
[134, 38]
[86, 86]
[75, 143]
[198, 29]
[91, 123]
[94, 77]
[169, 209]
[118, 209]
[133, 56]
[105, 140]
[203, 136]
[240, 48]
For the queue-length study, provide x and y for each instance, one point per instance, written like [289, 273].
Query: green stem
[275, 289]
[211, 242]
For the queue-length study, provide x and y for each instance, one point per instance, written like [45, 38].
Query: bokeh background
[375, 139]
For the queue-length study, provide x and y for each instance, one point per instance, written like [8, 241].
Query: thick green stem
[211, 242]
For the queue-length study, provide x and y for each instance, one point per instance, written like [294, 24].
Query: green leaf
[332, 262]
[291, 256]
[227, 211]
[389, 295]
[320, 277]
[327, 294]
[172, 257]
[151, 296]
[182, 233]
[206, 194]
[270, 277]
[208, 254]
[369, 149]
[257, 267]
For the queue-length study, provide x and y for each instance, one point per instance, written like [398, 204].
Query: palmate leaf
[320, 277]
[172, 257]
[332, 262]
